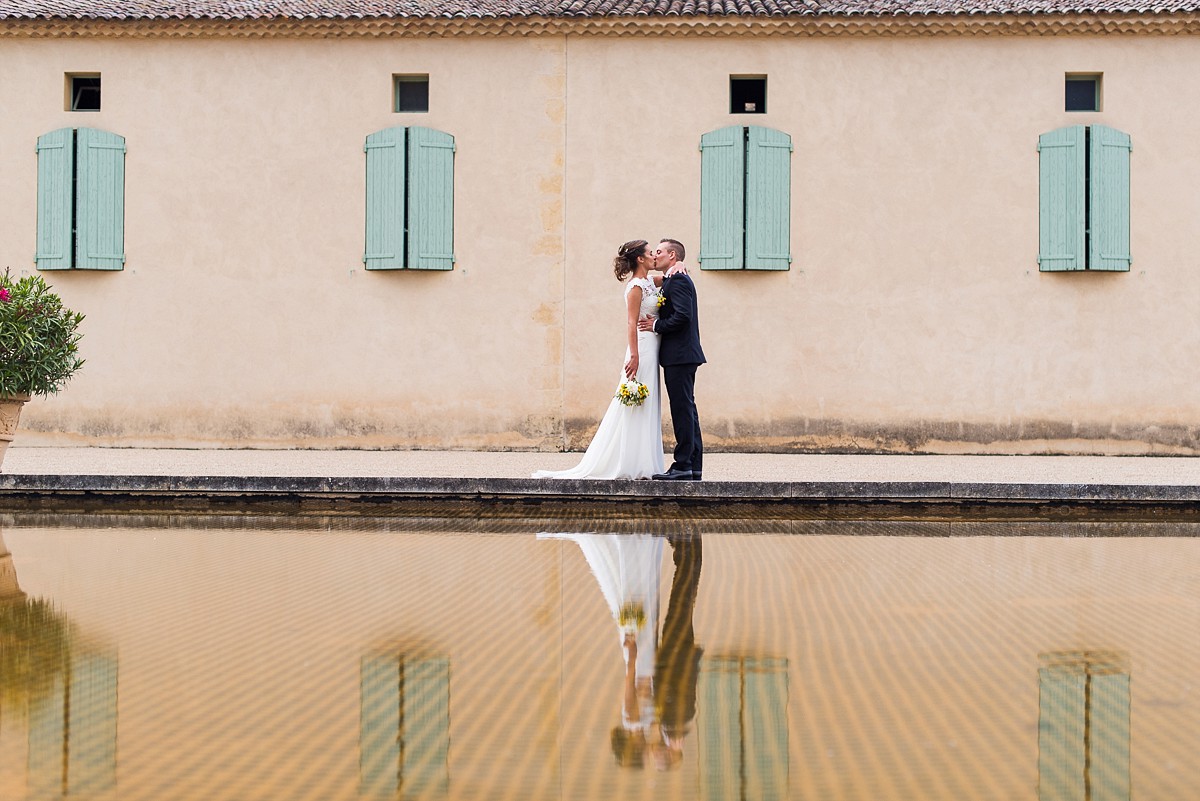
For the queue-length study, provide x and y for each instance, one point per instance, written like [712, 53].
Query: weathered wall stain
[370, 429]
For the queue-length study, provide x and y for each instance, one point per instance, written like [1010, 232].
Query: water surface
[352, 659]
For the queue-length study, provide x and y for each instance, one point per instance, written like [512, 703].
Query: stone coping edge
[587, 490]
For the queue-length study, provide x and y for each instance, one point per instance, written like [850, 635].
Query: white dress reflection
[628, 568]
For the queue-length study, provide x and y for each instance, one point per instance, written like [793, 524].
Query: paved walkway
[719, 467]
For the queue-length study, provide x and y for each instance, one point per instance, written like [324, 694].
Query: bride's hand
[631, 367]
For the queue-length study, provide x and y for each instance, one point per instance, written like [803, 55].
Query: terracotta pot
[10, 412]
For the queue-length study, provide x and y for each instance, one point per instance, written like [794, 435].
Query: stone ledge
[13, 486]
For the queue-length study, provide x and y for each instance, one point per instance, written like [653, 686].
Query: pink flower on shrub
[4, 295]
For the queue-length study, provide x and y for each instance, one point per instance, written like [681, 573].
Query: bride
[628, 443]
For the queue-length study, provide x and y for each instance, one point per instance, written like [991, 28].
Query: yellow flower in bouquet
[631, 617]
[632, 392]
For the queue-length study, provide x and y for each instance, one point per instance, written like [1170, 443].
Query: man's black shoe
[696, 475]
[673, 475]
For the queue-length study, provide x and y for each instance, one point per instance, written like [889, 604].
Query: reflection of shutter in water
[73, 731]
[743, 731]
[379, 739]
[405, 727]
[1083, 727]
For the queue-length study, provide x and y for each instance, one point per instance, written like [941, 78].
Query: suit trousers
[681, 392]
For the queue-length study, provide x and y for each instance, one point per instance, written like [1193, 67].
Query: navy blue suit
[679, 353]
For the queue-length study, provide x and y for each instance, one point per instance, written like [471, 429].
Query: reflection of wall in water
[743, 728]
[1083, 726]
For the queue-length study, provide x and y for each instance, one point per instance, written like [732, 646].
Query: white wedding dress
[628, 443]
[628, 568]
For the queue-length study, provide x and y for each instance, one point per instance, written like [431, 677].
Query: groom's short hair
[675, 246]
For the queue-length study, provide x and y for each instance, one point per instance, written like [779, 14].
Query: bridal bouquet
[631, 617]
[632, 392]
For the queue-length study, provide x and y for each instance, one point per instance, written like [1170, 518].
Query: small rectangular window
[1083, 92]
[411, 92]
[747, 94]
[83, 91]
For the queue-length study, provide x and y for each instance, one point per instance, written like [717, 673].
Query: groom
[679, 354]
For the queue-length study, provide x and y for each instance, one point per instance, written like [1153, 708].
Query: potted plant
[39, 346]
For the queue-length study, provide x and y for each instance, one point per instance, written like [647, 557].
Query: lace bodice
[649, 296]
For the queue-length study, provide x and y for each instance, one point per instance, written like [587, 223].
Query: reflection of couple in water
[659, 694]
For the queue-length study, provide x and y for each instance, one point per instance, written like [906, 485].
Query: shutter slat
[385, 200]
[100, 201]
[1109, 199]
[430, 199]
[1061, 199]
[722, 199]
[768, 199]
[55, 159]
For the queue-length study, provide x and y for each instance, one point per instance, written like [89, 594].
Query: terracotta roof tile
[432, 9]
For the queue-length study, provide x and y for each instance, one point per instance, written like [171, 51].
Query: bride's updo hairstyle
[626, 261]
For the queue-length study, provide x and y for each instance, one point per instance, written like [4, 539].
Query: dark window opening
[85, 92]
[748, 94]
[1083, 93]
[412, 92]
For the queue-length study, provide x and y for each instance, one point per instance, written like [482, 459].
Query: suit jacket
[679, 323]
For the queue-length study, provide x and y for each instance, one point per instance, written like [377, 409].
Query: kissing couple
[662, 327]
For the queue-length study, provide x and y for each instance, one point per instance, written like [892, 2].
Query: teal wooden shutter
[73, 731]
[56, 165]
[425, 769]
[385, 200]
[430, 199]
[720, 735]
[47, 776]
[743, 729]
[1083, 727]
[379, 726]
[722, 199]
[1109, 199]
[1109, 728]
[768, 199]
[92, 724]
[1061, 160]
[100, 200]
[1061, 754]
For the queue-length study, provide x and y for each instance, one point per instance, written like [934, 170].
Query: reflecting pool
[344, 658]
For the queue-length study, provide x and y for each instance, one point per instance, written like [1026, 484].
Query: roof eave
[809, 24]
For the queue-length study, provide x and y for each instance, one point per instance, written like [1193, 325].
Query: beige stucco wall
[913, 318]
